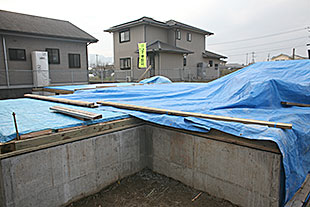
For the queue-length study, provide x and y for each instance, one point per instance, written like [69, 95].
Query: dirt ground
[147, 188]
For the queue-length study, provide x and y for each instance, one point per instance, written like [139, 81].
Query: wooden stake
[16, 129]
[62, 100]
[198, 115]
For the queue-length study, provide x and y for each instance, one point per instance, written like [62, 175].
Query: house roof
[209, 54]
[141, 21]
[176, 24]
[147, 20]
[159, 46]
[12, 22]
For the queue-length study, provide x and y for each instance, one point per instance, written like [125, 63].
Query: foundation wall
[59, 174]
[242, 175]
[56, 175]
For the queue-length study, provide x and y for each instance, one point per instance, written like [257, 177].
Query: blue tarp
[254, 92]
[156, 79]
[34, 115]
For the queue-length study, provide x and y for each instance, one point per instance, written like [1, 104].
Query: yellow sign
[142, 55]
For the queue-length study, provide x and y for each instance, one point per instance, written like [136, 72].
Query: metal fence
[174, 74]
[19, 78]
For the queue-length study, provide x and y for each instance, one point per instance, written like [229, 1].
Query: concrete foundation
[241, 173]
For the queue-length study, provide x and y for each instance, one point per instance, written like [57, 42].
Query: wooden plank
[36, 134]
[59, 91]
[142, 76]
[76, 113]
[83, 132]
[198, 115]
[301, 197]
[294, 104]
[62, 100]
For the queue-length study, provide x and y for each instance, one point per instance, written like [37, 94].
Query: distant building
[234, 66]
[21, 34]
[283, 57]
[174, 49]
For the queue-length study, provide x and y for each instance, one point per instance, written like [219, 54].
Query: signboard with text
[142, 55]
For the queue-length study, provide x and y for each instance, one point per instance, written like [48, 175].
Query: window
[53, 56]
[124, 36]
[178, 34]
[216, 66]
[74, 61]
[189, 37]
[17, 54]
[125, 63]
[210, 63]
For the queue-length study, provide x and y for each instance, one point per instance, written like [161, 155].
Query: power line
[260, 37]
[270, 43]
[258, 52]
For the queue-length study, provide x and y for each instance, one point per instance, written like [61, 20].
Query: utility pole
[253, 56]
[293, 56]
[268, 58]
[308, 46]
[96, 61]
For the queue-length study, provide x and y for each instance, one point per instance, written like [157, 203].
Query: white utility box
[40, 69]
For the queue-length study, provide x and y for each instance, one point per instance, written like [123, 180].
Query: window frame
[79, 62]
[120, 36]
[50, 59]
[189, 37]
[178, 35]
[216, 66]
[15, 50]
[210, 63]
[125, 59]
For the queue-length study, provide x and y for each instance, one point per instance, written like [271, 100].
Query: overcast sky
[229, 20]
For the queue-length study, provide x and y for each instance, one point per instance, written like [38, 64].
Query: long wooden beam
[62, 100]
[199, 115]
[294, 104]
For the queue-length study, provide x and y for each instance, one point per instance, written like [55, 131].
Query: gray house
[174, 49]
[65, 44]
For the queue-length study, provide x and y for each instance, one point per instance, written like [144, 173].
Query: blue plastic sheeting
[34, 115]
[156, 79]
[254, 92]
[79, 87]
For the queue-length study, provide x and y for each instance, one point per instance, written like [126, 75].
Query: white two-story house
[174, 50]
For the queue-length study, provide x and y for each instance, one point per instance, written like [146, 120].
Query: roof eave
[133, 24]
[12, 32]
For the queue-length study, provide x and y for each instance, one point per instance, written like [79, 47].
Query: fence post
[71, 76]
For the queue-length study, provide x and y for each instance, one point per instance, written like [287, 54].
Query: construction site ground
[147, 188]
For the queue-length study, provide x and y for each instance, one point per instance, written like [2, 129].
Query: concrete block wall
[242, 175]
[54, 176]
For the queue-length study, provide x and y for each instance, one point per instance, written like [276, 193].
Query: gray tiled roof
[176, 24]
[209, 54]
[147, 20]
[159, 46]
[33, 25]
[143, 20]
